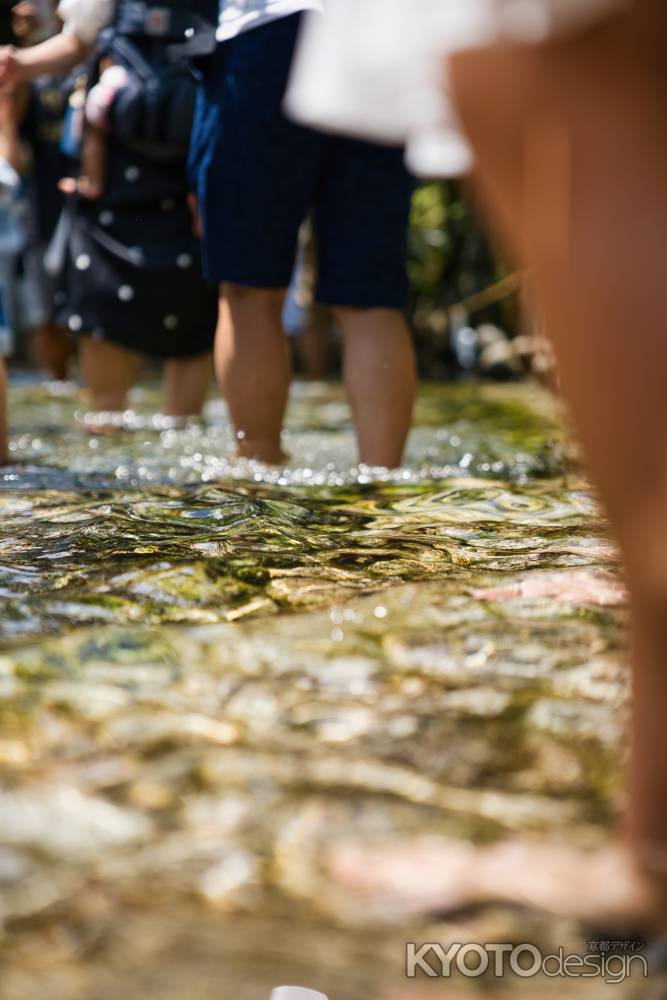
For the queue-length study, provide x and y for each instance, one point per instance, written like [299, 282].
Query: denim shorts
[258, 175]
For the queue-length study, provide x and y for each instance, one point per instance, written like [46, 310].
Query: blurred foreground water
[211, 672]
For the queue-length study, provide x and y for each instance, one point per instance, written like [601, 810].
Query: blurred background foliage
[451, 260]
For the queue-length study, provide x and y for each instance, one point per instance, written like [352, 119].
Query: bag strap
[118, 45]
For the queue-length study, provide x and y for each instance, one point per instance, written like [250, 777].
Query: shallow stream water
[210, 672]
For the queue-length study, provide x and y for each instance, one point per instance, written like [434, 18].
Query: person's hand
[11, 64]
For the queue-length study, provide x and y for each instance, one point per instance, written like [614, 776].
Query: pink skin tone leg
[570, 140]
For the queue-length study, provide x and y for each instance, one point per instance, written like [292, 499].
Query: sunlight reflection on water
[328, 670]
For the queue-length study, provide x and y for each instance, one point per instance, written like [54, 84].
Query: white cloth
[237, 16]
[85, 18]
[376, 68]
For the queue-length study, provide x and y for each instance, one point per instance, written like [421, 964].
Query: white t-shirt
[237, 16]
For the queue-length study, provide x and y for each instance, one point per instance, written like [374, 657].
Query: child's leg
[3, 412]
[186, 385]
[379, 373]
[253, 367]
[109, 372]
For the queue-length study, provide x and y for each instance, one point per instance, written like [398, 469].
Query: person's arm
[83, 21]
[56, 55]
[12, 148]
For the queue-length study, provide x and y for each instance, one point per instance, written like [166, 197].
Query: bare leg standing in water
[379, 375]
[186, 385]
[577, 184]
[571, 143]
[109, 372]
[53, 350]
[253, 365]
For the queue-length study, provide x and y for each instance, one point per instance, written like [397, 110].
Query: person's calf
[582, 124]
[109, 372]
[53, 350]
[253, 368]
[380, 375]
[186, 385]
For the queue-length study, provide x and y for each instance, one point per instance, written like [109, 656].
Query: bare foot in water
[260, 452]
[603, 887]
[577, 586]
[102, 422]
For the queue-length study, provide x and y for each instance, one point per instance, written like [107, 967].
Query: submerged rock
[64, 824]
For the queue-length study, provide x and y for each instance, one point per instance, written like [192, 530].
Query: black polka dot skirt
[132, 273]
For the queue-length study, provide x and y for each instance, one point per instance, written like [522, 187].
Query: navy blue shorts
[258, 175]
